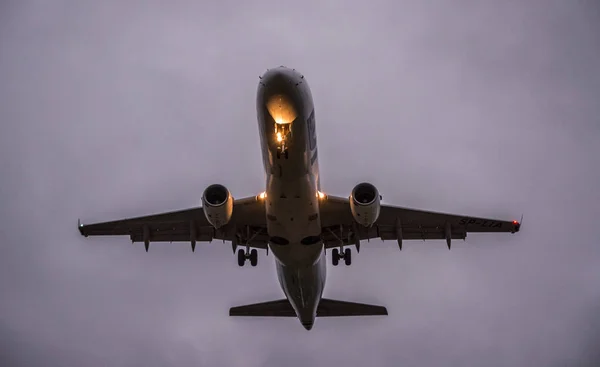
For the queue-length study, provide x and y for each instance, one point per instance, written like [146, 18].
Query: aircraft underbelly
[303, 286]
[293, 217]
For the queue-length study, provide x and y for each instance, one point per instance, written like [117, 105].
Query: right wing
[247, 224]
[399, 223]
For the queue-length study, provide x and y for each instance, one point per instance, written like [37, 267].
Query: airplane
[293, 218]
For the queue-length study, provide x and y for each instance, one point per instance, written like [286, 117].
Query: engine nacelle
[365, 204]
[218, 205]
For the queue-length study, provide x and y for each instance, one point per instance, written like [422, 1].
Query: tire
[241, 257]
[335, 257]
[348, 257]
[253, 257]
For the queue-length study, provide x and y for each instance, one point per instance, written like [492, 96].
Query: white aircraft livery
[293, 218]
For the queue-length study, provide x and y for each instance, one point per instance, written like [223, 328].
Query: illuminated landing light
[281, 108]
[262, 195]
[279, 137]
[321, 195]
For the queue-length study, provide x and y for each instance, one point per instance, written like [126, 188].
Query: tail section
[326, 308]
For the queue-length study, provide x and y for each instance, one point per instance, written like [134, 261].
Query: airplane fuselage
[286, 120]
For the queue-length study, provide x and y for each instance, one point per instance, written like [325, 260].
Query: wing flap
[423, 233]
[387, 233]
[259, 241]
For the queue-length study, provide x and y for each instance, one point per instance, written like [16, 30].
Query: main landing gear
[243, 255]
[345, 254]
[247, 253]
[340, 253]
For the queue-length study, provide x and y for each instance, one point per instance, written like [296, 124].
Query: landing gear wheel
[348, 257]
[278, 155]
[253, 257]
[241, 257]
[335, 257]
[286, 154]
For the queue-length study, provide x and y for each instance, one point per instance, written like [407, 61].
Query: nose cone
[279, 93]
[278, 81]
[280, 75]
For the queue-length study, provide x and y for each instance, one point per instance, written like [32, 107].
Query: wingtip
[517, 225]
[80, 227]
[521, 221]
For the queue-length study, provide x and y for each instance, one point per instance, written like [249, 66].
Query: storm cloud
[114, 109]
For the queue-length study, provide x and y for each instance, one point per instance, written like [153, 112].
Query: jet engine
[218, 205]
[365, 204]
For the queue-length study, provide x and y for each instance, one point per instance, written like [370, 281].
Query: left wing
[398, 223]
[247, 224]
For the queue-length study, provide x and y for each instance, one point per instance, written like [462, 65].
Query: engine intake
[218, 205]
[365, 204]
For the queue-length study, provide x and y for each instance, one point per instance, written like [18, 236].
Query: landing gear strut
[282, 132]
[243, 256]
[341, 253]
[336, 256]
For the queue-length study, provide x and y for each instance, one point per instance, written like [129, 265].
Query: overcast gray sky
[114, 109]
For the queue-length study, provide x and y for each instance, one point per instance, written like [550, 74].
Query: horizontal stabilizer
[327, 308]
[279, 308]
[331, 307]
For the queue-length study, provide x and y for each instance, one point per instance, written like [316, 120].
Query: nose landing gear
[282, 152]
[282, 133]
